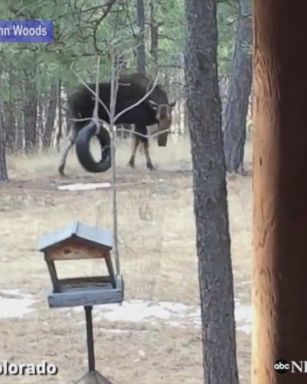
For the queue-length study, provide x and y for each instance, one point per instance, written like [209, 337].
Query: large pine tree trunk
[210, 194]
[30, 111]
[140, 50]
[280, 189]
[239, 91]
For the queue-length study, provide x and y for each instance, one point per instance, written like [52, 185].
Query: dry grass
[158, 261]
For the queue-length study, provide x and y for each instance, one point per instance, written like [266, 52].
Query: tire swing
[83, 148]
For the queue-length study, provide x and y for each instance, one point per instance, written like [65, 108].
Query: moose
[154, 109]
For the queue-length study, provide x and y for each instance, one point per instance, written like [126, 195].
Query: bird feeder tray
[75, 242]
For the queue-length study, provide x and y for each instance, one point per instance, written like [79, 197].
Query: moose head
[164, 119]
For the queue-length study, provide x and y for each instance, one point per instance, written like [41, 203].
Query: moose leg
[70, 140]
[147, 155]
[145, 142]
[135, 147]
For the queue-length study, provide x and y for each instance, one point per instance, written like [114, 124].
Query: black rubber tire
[83, 149]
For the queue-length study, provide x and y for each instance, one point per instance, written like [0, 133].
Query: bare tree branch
[113, 99]
[98, 21]
[80, 11]
[149, 136]
[138, 102]
[93, 93]
[148, 93]
[95, 114]
[129, 19]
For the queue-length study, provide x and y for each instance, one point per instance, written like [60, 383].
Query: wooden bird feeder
[75, 242]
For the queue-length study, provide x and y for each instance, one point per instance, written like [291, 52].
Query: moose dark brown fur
[155, 109]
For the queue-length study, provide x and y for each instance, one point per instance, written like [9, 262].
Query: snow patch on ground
[83, 186]
[169, 313]
[14, 304]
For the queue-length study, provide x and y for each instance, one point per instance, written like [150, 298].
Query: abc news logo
[283, 366]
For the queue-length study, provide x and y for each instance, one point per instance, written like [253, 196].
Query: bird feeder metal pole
[90, 338]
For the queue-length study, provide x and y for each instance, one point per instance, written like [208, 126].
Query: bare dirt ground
[158, 260]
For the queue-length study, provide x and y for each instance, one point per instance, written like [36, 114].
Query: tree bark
[3, 165]
[154, 33]
[239, 91]
[210, 194]
[51, 113]
[60, 128]
[9, 125]
[30, 111]
[19, 132]
[140, 50]
[67, 117]
[9, 116]
[280, 189]
[40, 116]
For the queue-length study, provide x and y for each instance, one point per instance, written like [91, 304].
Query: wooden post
[280, 189]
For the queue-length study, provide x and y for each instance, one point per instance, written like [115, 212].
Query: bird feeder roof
[76, 230]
